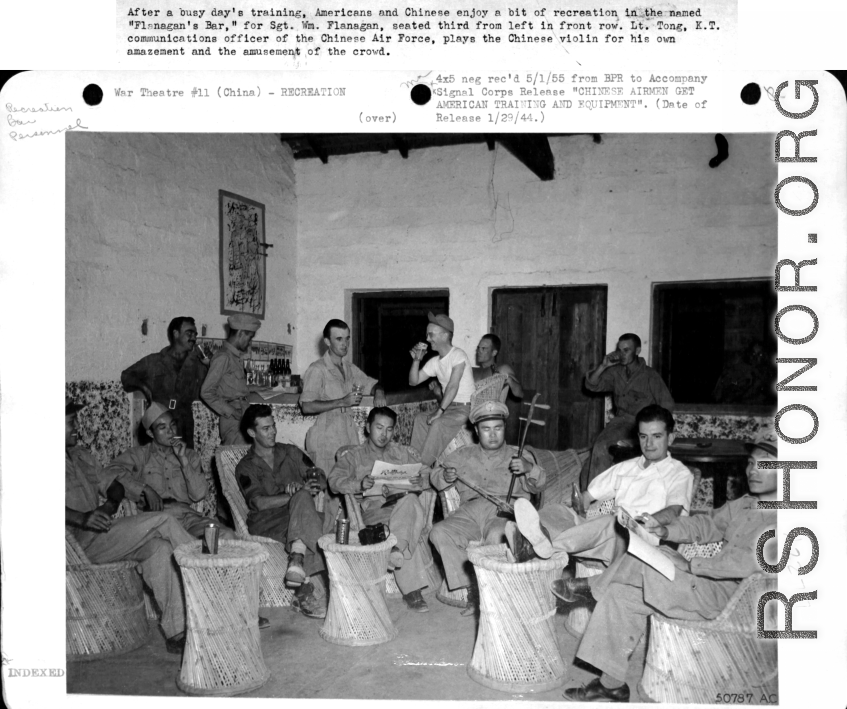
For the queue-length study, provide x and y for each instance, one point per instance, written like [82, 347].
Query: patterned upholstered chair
[427, 499]
[104, 605]
[578, 617]
[272, 591]
[692, 662]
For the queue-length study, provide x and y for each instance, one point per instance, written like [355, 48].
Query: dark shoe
[529, 524]
[594, 691]
[572, 590]
[264, 623]
[306, 602]
[175, 644]
[519, 546]
[415, 601]
[294, 574]
[472, 606]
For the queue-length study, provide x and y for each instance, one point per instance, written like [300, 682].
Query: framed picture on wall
[242, 228]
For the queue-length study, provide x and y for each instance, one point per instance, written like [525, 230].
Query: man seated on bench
[148, 538]
[631, 591]
[164, 475]
[654, 483]
[406, 518]
[279, 483]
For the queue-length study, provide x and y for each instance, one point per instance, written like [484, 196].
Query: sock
[297, 547]
[610, 682]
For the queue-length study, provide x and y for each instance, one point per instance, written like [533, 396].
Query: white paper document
[394, 476]
[645, 545]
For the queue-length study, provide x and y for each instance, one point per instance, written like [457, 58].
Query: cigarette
[176, 438]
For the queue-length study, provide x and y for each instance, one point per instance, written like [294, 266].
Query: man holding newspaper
[381, 463]
[631, 591]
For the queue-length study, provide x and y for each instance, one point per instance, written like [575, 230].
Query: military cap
[441, 320]
[152, 414]
[764, 439]
[486, 410]
[244, 321]
[71, 407]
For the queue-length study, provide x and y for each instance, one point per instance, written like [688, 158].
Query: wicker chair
[272, 591]
[427, 499]
[578, 617]
[104, 605]
[693, 661]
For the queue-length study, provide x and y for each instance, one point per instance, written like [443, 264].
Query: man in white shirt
[654, 484]
[432, 433]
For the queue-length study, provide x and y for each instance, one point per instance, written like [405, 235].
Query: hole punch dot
[92, 95]
[421, 94]
[813, 238]
[751, 94]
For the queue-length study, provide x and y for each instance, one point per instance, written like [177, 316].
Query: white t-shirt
[442, 367]
[639, 489]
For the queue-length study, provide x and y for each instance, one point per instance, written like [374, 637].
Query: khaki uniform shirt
[158, 467]
[85, 480]
[488, 470]
[356, 464]
[740, 524]
[642, 387]
[225, 388]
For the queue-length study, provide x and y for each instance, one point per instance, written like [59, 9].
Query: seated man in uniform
[279, 484]
[654, 483]
[148, 538]
[633, 385]
[407, 518]
[165, 474]
[432, 433]
[629, 592]
[488, 465]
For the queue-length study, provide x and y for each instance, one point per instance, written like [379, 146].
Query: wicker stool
[516, 648]
[357, 614]
[105, 613]
[222, 651]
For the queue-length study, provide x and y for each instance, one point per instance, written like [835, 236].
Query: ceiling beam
[318, 149]
[401, 145]
[533, 151]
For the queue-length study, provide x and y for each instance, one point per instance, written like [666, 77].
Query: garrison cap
[764, 439]
[244, 321]
[152, 414]
[486, 410]
[441, 320]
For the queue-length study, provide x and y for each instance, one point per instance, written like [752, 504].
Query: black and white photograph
[541, 332]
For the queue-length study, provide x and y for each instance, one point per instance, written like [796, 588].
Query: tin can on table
[210, 538]
[342, 531]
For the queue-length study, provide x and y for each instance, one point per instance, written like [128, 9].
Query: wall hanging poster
[242, 227]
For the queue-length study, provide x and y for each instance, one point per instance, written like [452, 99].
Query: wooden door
[551, 336]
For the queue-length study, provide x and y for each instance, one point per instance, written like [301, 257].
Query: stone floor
[427, 660]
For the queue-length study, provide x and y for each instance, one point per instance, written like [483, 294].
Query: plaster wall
[628, 212]
[142, 240]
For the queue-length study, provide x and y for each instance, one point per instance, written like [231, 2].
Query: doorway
[552, 336]
[387, 325]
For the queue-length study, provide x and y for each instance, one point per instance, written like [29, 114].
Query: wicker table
[222, 655]
[357, 614]
[516, 648]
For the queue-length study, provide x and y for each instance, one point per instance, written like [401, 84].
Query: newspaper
[645, 545]
[110, 221]
[395, 477]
